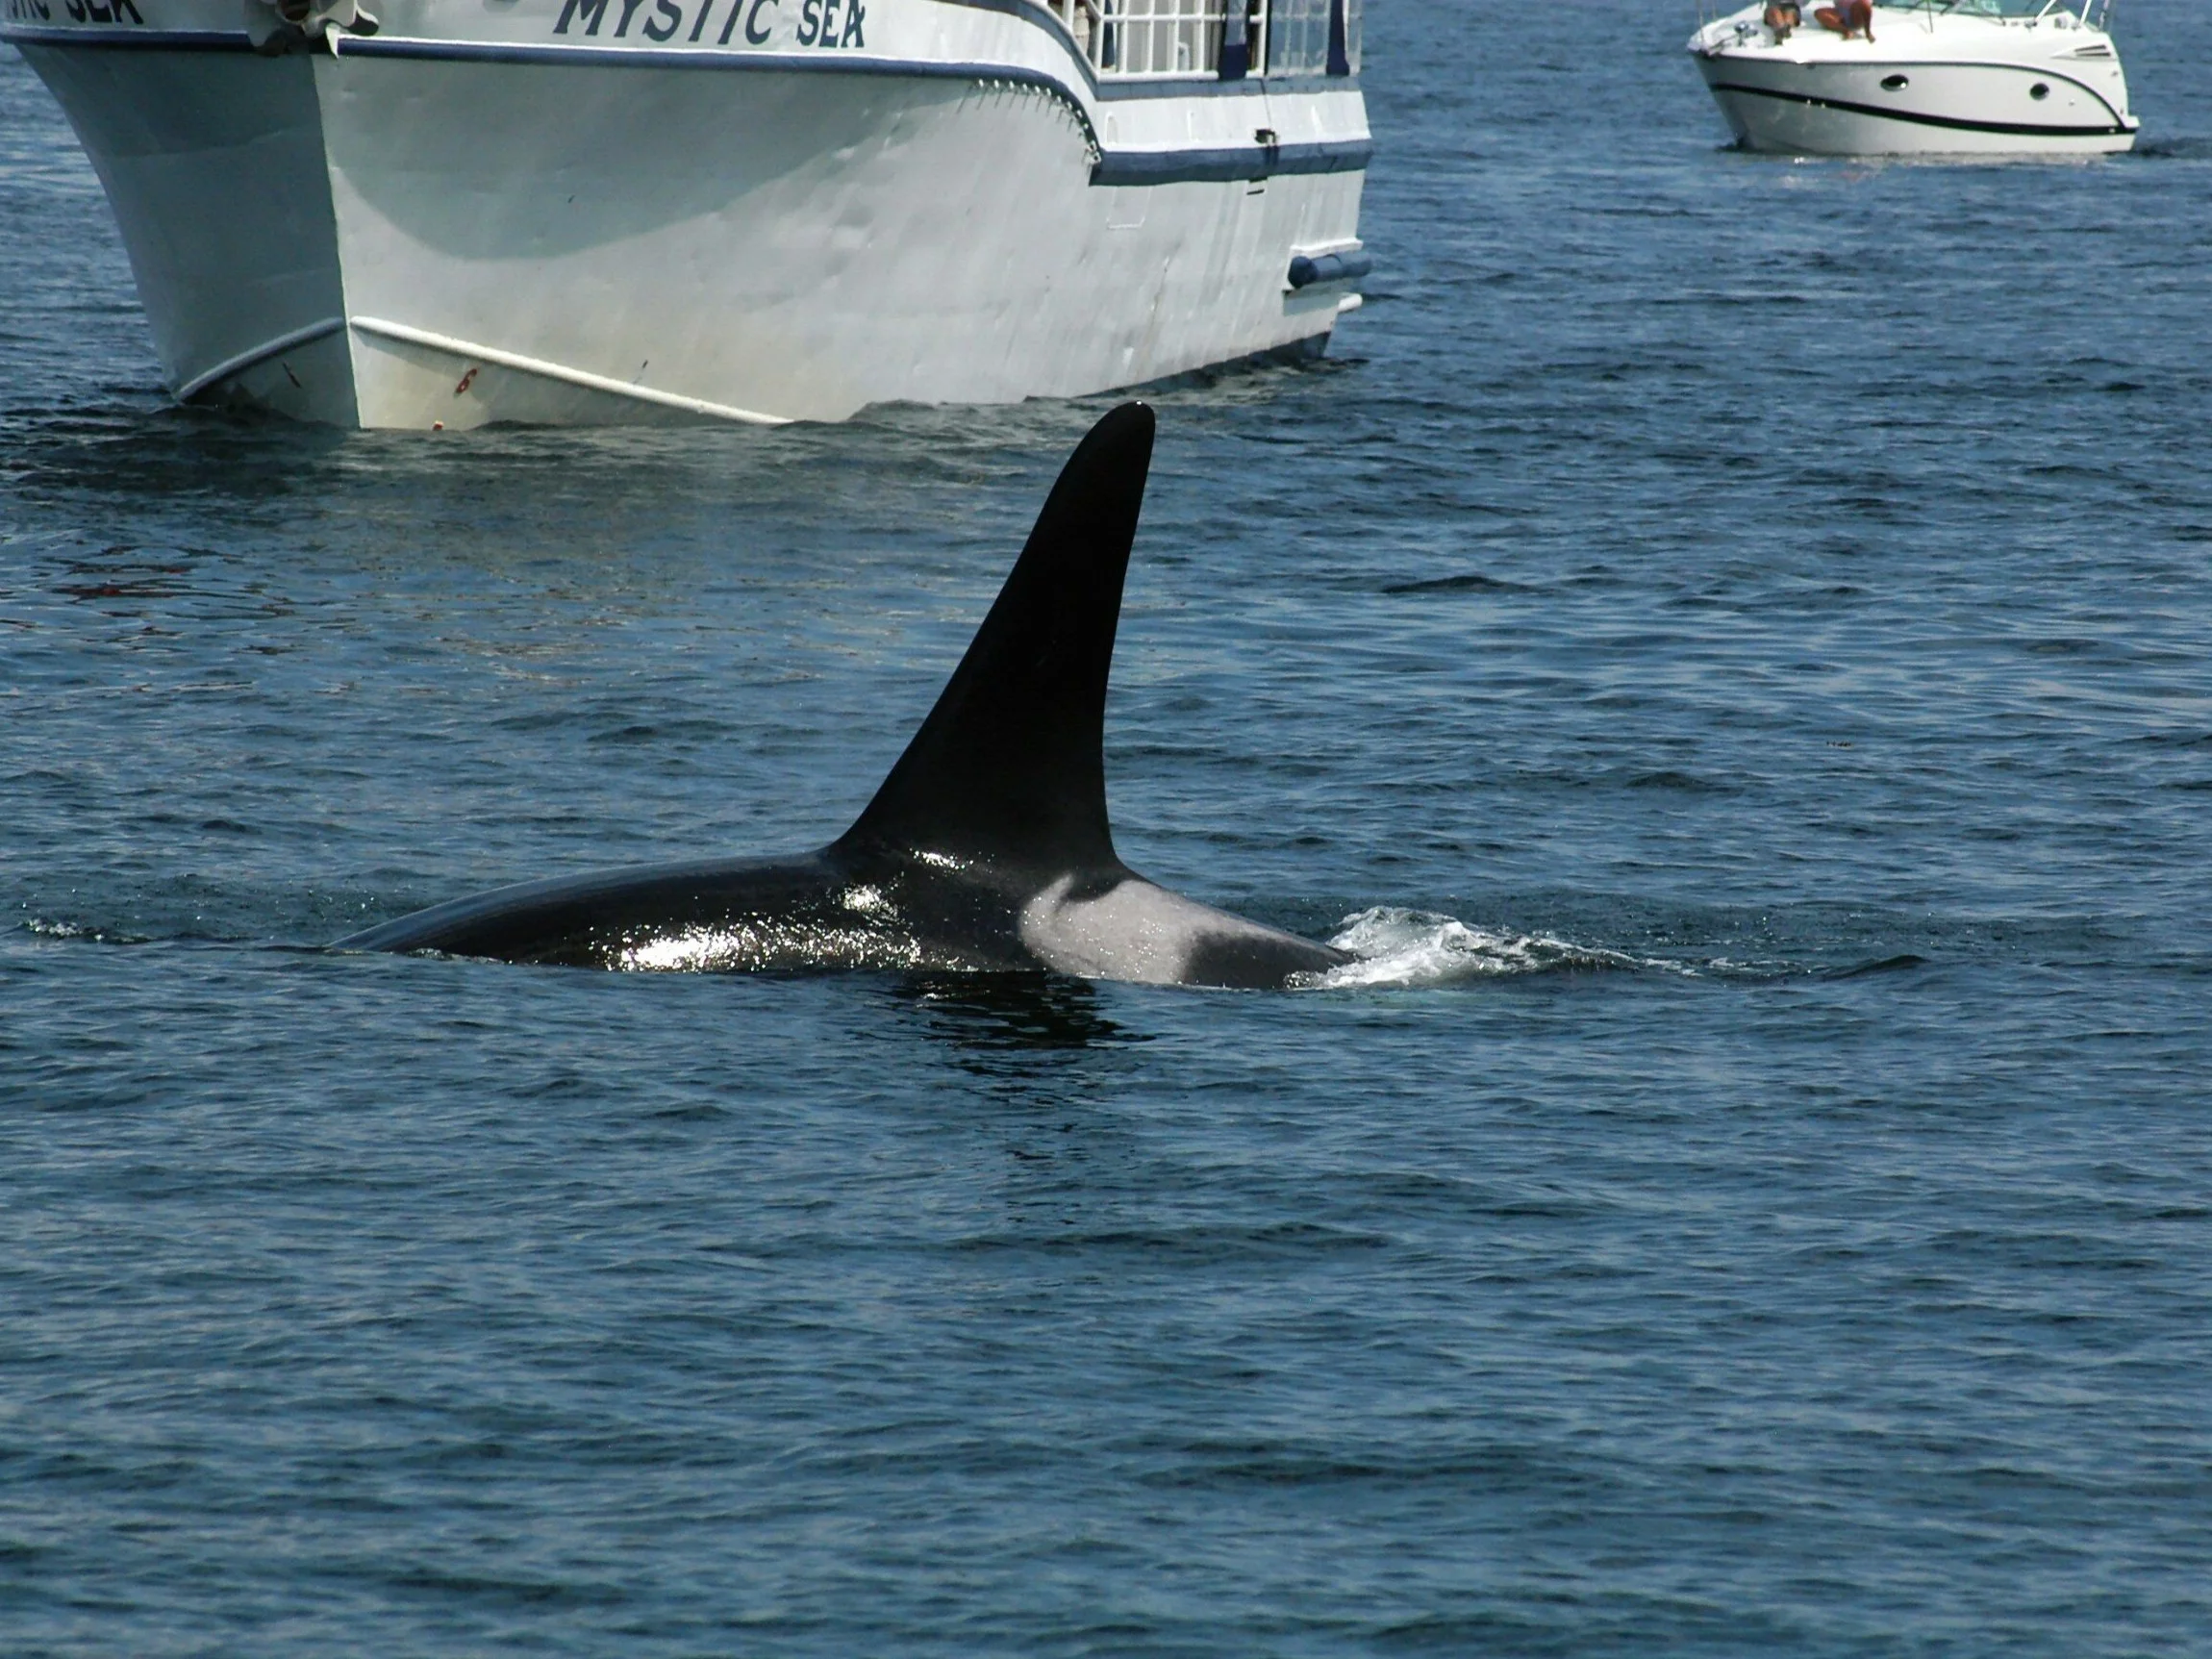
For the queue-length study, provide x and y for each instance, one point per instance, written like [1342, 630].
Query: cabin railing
[1171, 39]
[1146, 38]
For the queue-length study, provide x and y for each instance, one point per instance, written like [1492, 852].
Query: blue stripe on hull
[2011, 129]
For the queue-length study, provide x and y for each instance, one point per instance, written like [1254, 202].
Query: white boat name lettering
[832, 23]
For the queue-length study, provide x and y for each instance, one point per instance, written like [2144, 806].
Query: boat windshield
[1980, 8]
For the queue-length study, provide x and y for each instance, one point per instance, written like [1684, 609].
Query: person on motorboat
[1781, 17]
[1848, 18]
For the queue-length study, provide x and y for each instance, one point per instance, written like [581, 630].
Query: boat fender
[1308, 269]
[279, 26]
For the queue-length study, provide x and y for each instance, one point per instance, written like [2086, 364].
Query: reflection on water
[1010, 1013]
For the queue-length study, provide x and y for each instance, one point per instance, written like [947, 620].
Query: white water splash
[1394, 946]
[46, 929]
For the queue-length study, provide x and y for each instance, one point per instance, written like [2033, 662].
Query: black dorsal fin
[1007, 766]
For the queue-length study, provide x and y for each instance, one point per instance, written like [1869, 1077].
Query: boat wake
[1391, 946]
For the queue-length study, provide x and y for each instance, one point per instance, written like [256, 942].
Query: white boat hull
[408, 233]
[1999, 90]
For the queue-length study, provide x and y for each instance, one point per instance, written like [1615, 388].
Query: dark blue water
[1734, 631]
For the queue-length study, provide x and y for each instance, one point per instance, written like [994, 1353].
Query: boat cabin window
[1299, 42]
[1162, 38]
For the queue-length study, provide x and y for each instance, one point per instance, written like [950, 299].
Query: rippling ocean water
[1726, 638]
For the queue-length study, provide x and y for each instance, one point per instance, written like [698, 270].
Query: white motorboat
[442, 212]
[1919, 77]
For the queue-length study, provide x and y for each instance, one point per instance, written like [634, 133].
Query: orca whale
[986, 849]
